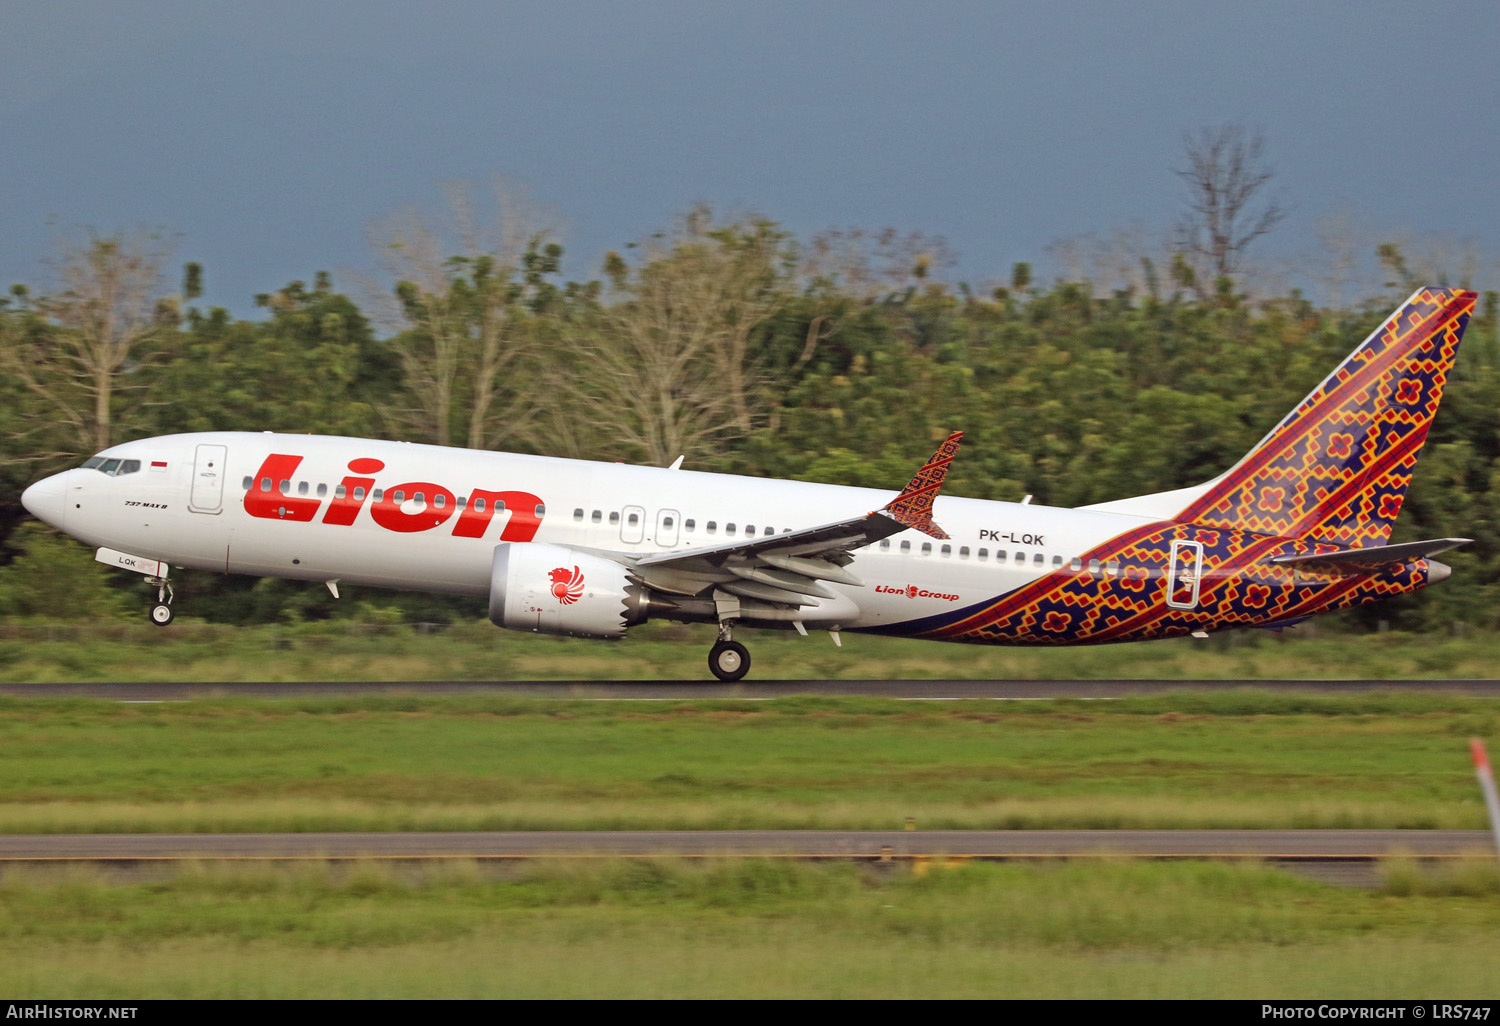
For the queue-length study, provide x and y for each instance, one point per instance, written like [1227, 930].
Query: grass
[662, 928]
[743, 928]
[1229, 759]
[350, 650]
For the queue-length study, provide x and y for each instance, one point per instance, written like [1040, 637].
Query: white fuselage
[206, 501]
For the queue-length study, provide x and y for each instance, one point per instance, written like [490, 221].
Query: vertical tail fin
[1336, 468]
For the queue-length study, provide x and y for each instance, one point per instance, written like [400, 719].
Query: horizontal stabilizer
[1376, 556]
[1277, 626]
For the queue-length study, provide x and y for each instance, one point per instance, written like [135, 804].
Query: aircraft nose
[1437, 571]
[46, 500]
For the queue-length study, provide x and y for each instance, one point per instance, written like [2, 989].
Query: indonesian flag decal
[567, 585]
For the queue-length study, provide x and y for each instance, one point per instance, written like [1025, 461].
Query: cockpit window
[112, 467]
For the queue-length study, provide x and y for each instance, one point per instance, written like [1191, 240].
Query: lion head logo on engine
[567, 585]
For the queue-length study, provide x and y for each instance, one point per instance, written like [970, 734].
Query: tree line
[843, 359]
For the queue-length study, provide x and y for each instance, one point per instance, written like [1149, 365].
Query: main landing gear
[160, 612]
[728, 659]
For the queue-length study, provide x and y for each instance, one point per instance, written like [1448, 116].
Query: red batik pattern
[1126, 598]
[1337, 468]
[913, 507]
[1332, 475]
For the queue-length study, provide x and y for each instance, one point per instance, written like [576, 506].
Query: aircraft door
[1184, 574]
[667, 526]
[632, 525]
[207, 493]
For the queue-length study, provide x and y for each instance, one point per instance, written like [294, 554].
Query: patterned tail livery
[1336, 469]
[1332, 474]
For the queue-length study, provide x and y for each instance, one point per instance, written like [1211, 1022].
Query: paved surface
[1274, 844]
[662, 690]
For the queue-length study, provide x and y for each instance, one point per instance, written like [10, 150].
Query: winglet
[913, 507]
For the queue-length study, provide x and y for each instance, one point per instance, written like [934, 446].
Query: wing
[789, 569]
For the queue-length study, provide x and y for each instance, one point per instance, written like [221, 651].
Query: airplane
[1298, 526]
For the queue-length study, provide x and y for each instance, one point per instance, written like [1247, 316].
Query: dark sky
[270, 135]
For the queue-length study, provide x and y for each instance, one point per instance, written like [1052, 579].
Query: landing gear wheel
[729, 660]
[161, 614]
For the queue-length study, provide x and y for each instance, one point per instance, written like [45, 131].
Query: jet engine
[553, 589]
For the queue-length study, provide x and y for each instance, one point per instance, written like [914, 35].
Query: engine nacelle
[557, 590]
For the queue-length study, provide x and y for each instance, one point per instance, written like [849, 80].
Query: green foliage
[846, 367]
[52, 576]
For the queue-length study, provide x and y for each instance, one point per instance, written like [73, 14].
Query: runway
[870, 844]
[1349, 857]
[748, 690]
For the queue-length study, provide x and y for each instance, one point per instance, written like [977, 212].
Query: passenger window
[999, 555]
[711, 526]
[378, 495]
[441, 501]
[1112, 568]
[633, 519]
[767, 532]
[1093, 568]
[963, 552]
[398, 496]
[596, 516]
[666, 523]
[460, 502]
[479, 505]
[885, 543]
[499, 506]
[1020, 559]
[265, 484]
[984, 554]
[1076, 565]
[302, 488]
[687, 525]
[927, 548]
[359, 493]
[248, 483]
[1040, 559]
[614, 517]
[906, 546]
[420, 498]
[729, 529]
[322, 490]
[578, 514]
[285, 488]
[749, 531]
[947, 550]
[541, 510]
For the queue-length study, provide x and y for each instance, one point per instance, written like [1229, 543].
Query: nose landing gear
[160, 612]
[728, 659]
